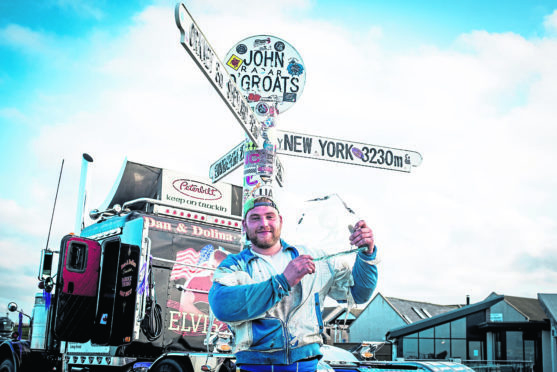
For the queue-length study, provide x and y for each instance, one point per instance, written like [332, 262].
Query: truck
[6, 327]
[130, 292]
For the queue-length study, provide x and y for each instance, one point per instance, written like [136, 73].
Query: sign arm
[197, 46]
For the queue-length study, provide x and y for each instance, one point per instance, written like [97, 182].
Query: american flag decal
[191, 257]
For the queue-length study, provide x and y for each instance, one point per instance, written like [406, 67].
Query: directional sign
[205, 57]
[227, 163]
[232, 161]
[324, 148]
[348, 152]
[267, 69]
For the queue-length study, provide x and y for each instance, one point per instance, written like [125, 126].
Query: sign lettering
[192, 324]
[348, 152]
[197, 190]
[190, 229]
[336, 150]
[269, 72]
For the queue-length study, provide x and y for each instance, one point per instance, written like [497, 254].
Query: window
[410, 348]
[514, 346]
[426, 312]
[458, 348]
[475, 350]
[426, 348]
[76, 260]
[442, 348]
[443, 331]
[417, 311]
[447, 340]
[458, 328]
[530, 350]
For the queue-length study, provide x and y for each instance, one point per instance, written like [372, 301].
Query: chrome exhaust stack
[82, 196]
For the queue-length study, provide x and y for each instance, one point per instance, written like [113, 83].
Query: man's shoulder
[243, 256]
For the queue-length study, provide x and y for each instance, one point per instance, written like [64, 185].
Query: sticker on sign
[348, 152]
[268, 70]
[231, 161]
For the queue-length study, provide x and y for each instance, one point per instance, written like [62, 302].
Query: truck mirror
[12, 306]
[45, 270]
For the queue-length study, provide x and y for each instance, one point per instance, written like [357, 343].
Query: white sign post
[203, 54]
[329, 149]
[271, 76]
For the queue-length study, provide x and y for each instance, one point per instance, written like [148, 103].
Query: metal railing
[500, 365]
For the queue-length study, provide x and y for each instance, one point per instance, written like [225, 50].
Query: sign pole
[259, 164]
[270, 74]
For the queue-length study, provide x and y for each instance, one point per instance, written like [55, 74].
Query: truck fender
[8, 352]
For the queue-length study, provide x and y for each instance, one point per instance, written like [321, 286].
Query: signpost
[324, 148]
[347, 152]
[269, 71]
[271, 76]
[205, 57]
[232, 160]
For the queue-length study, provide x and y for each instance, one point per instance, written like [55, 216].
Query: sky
[470, 85]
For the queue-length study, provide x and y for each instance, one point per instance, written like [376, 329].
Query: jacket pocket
[268, 334]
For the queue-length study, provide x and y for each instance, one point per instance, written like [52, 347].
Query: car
[336, 359]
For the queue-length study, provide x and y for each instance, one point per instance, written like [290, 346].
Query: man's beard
[264, 244]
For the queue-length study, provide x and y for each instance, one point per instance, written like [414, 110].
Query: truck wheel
[7, 366]
[167, 365]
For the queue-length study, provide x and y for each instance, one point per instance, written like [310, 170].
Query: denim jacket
[257, 303]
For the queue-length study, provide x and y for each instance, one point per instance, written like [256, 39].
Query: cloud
[17, 219]
[12, 114]
[23, 38]
[81, 8]
[546, 260]
[480, 112]
[550, 22]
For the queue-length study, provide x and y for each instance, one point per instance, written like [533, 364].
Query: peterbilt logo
[197, 190]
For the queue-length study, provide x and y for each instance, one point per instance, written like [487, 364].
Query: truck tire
[7, 366]
[167, 365]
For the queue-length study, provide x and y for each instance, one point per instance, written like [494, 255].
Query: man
[271, 293]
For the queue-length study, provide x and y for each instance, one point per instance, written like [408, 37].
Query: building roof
[548, 301]
[415, 311]
[529, 307]
[331, 314]
[445, 317]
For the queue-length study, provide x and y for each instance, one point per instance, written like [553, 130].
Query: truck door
[117, 294]
[77, 298]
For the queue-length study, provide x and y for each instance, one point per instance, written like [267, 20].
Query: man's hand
[298, 268]
[363, 237]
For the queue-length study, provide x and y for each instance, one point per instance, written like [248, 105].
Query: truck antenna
[54, 206]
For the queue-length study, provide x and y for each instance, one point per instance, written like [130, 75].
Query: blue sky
[52, 46]
[470, 85]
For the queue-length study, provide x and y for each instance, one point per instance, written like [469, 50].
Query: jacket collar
[249, 255]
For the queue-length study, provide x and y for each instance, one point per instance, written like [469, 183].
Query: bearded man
[271, 293]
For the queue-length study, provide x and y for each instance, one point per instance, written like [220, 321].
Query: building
[549, 305]
[337, 322]
[510, 332]
[348, 329]
[385, 313]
